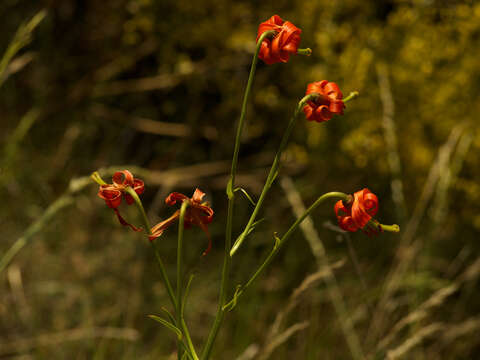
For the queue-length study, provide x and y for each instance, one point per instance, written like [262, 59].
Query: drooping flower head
[284, 43]
[113, 193]
[359, 213]
[197, 213]
[327, 104]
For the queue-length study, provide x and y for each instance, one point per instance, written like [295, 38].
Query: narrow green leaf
[244, 192]
[254, 225]
[187, 289]
[167, 325]
[169, 315]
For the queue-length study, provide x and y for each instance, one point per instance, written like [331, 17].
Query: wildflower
[113, 193]
[328, 103]
[358, 214]
[284, 43]
[197, 213]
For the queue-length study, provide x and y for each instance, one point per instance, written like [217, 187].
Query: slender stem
[163, 272]
[351, 96]
[273, 171]
[180, 270]
[190, 346]
[284, 239]
[231, 199]
[241, 121]
[146, 223]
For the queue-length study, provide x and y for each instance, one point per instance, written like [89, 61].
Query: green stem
[231, 198]
[351, 96]
[146, 223]
[180, 270]
[273, 171]
[284, 239]
[163, 272]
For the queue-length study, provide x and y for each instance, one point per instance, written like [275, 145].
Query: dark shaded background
[158, 85]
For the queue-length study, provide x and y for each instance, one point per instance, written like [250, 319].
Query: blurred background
[156, 87]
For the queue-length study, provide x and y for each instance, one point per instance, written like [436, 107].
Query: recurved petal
[198, 195]
[359, 213]
[341, 209]
[158, 229]
[123, 178]
[139, 187]
[125, 223]
[291, 34]
[346, 223]
[274, 23]
[336, 106]
[111, 195]
[370, 202]
[322, 113]
[174, 197]
[308, 110]
[333, 91]
[207, 213]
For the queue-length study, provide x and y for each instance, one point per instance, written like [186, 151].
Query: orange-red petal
[111, 195]
[125, 223]
[138, 186]
[365, 205]
[122, 178]
[284, 43]
[174, 197]
[158, 229]
[328, 103]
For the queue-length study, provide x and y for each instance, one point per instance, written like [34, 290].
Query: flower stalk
[231, 200]
[273, 171]
[280, 242]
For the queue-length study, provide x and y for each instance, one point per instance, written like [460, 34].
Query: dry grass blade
[152, 126]
[320, 254]
[390, 131]
[437, 299]
[250, 352]
[158, 82]
[275, 337]
[281, 338]
[22, 38]
[295, 298]
[440, 206]
[407, 249]
[52, 339]
[455, 331]
[413, 341]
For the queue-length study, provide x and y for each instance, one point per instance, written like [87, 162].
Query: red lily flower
[113, 193]
[328, 103]
[359, 213]
[284, 43]
[197, 213]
